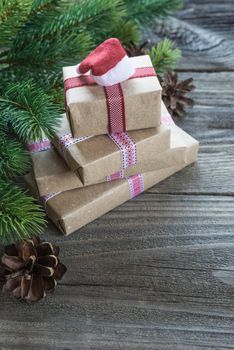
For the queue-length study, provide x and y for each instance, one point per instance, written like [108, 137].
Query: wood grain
[158, 271]
[204, 31]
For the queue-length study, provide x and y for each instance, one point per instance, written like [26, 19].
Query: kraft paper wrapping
[70, 210]
[52, 174]
[87, 109]
[96, 157]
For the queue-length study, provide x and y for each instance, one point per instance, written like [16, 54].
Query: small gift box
[100, 157]
[130, 105]
[70, 210]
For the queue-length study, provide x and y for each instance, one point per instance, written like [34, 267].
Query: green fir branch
[55, 53]
[20, 215]
[144, 10]
[126, 31]
[68, 17]
[164, 57]
[83, 13]
[15, 160]
[29, 110]
[13, 14]
[44, 5]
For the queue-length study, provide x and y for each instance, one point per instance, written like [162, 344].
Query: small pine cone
[31, 269]
[173, 94]
[137, 50]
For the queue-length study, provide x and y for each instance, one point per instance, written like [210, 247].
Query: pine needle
[12, 16]
[144, 10]
[15, 160]
[29, 110]
[20, 215]
[164, 57]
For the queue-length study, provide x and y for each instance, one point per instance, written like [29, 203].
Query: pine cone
[31, 269]
[136, 50]
[173, 94]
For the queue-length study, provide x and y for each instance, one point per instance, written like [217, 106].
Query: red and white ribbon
[135, 182]
[39, 146]
[68, 140]
[116, 176]
[115, 108]
[83, 80]
[122, 140]
[127, 149]
[114, 96]
[136, 185]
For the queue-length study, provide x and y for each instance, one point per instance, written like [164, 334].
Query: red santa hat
[108, 63]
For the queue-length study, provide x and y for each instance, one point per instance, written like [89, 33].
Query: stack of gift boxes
[113, 143]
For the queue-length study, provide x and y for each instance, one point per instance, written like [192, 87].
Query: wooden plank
[125, 298]
[204, 32]
[212, 15]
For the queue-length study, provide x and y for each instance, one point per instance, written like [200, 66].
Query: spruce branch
[29, 110]
[62, 49]
[126, 31]
[42, 5]
[15, 160]
[143, 10]
[83, 13]
[70, 16]
[20, 215]
[164, 57]
[13, 13]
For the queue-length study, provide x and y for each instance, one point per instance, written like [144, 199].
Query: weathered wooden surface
[157, 272]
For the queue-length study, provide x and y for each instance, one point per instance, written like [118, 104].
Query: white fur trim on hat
[123, 70]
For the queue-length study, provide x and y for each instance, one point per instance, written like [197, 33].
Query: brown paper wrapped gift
[88, 107]
[95, 158]
[52, 174]
[70, 210]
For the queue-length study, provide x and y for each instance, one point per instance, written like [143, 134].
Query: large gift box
[70, 210]
[52, 174]
[131, 105]
[99, 157]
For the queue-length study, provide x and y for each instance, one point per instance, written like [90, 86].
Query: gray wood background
[157, 272]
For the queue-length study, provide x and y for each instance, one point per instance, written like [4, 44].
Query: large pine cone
[31, 269]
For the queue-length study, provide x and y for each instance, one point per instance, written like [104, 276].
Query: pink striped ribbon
[122, 140]
[68, 140]
[135, 182]
[39, 146]
[114, 96]
[116, 176]
[127, 149]
[136, 185]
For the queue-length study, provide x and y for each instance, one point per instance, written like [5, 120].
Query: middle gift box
[99, 157]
